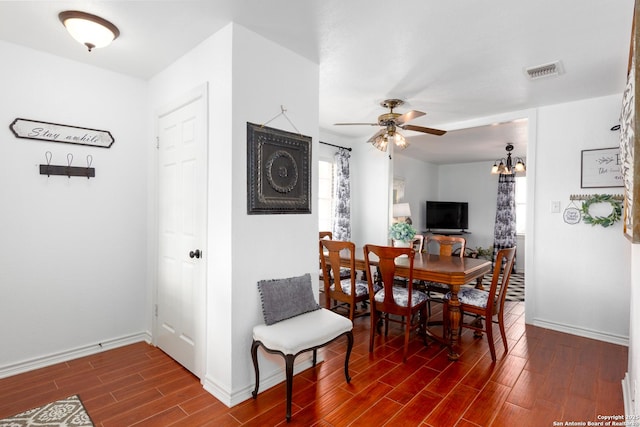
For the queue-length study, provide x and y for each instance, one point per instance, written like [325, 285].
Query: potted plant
[485, 253]
[402, 232]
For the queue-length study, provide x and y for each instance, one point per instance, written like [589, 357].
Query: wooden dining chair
[326, 235]
[344, 272]
[487, 304]
[418, 243]
[403, 301]
[350, 291]
[446, 247]
[448, 244]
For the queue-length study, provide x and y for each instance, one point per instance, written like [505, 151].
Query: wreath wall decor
[605, 221]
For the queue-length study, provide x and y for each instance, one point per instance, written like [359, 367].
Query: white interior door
[180, 310]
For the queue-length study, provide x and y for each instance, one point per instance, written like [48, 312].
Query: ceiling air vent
[546, 70]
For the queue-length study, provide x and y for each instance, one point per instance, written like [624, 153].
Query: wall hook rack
[67, 170]
[618, 197]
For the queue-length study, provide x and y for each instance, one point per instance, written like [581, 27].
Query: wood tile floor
[547, 376]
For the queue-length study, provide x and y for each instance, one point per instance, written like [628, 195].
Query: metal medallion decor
[45, 131]
[278, 171]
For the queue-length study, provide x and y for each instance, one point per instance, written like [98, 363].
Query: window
[325, 195]
[521, 204]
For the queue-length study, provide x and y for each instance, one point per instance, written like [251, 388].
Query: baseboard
[266, 382]
[582, 332]
[64, 356]
[627, 395]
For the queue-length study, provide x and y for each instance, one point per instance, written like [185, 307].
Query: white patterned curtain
[504, 233]
[342, 197]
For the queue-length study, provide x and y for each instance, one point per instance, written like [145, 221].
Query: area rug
[61, 413]
[515, 291]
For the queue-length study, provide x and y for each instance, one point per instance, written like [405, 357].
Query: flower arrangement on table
[402, 231]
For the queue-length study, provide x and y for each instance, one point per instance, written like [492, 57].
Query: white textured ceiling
[457, 61]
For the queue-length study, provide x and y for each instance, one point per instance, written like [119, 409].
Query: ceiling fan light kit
[380, 142]
[89, 30]
[506, 166]
[391, 122]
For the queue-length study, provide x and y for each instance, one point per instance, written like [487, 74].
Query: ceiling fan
[391, 122]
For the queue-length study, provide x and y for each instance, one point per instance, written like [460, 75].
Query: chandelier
[506, 166]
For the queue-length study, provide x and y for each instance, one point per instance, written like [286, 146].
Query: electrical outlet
[555, 207]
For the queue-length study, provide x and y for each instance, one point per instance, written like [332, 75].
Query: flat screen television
[447, 215]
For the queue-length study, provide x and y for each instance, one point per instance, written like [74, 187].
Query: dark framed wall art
[278, 171]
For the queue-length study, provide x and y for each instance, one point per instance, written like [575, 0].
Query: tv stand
[448, 232]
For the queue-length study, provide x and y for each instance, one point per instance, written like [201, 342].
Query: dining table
[453, 271]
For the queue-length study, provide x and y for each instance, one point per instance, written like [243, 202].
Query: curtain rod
[337, 146]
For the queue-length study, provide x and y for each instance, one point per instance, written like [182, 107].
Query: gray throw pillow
[286, 298]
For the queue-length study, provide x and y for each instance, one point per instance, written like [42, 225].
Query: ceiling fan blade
[432, 131]
[377, 134]
[349, 124]
[408, 116]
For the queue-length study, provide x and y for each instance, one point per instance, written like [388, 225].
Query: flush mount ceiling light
[506, 166]
[90, 30]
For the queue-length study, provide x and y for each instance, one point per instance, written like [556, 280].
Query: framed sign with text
[601, 168]
[45, 131]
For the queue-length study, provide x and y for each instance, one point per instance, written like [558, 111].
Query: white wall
[370, 195]
[574, 264]
[250, 78]
[327, 152]
[72, 258]
[421, 184]
[472, 183]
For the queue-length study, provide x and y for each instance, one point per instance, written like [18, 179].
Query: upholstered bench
[295, 324]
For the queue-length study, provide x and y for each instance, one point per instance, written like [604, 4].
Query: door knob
[195, 254]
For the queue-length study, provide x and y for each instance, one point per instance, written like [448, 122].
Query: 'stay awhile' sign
[44, 131]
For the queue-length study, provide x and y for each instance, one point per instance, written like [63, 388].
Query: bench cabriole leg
[346, 358]
[254, 357]
[289, 358]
